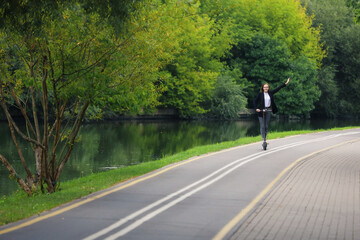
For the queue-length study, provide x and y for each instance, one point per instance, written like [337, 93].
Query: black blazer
[259, 101]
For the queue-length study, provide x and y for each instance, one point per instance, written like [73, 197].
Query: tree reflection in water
[117, 144]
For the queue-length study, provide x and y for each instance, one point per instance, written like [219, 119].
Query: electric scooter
[264, 145]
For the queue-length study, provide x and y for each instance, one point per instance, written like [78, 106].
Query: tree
[300, 96]
[271, 40]
[228, 100]
[27, 15]
[348, 74]
[267, 59]
[325, 107]
[284, 20]
[339, 77]
[72, 59]
[195, 67]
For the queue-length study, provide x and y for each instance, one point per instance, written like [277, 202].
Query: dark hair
[262, 87]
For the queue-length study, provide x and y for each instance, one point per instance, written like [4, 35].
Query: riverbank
[18, 206]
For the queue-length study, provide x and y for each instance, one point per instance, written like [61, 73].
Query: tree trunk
[45, 152]
[37, 153]
[37, 150]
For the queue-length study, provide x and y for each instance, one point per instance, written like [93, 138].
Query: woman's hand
[287, 81]
[258, 110]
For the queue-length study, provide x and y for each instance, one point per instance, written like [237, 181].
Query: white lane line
[242, 161]
[179, 199]
[154, 204]
[232, 223]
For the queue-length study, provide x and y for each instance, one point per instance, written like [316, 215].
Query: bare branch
[72, 140]
[99, 60]
[61, 115]
[14, 44]
[22, 159]
[23, 112]
[8, 116]
[36, 121]
[65, 127]
[12, 171]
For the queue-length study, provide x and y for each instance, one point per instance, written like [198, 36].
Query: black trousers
[264, 123]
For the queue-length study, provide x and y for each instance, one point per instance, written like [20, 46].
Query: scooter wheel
[264, 145]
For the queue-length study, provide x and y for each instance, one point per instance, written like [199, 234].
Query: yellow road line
[227, 228]
[90, 199]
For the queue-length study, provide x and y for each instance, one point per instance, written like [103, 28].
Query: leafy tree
[286, 21]
[74, 59]
[228, 100]
[338, 78]
[300, 96]
[28, 15]
[348, 74]
[195, 67]
[269, 60]
[325, 107]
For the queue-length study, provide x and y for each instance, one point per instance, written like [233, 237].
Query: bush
[228, 100]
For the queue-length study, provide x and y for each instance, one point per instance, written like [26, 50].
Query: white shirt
[267, 100]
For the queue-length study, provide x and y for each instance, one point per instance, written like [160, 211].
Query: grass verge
[19, 206]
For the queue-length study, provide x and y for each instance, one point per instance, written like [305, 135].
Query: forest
[203, 58]
[63, 62]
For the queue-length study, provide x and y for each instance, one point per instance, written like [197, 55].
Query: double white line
[203, 183]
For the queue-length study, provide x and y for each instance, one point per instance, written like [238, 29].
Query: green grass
[19, 206]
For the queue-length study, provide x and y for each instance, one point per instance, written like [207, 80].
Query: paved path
[302, 187]
[318, 199]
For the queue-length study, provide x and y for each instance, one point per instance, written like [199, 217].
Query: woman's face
[266, 88]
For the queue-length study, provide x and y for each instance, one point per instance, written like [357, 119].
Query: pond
[109, 145]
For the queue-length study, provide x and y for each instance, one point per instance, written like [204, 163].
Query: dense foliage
[355, 7]
[339, 77]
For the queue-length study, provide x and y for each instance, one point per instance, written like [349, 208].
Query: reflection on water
[116, 144]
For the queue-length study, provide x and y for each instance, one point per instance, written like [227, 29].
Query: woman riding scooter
[264, 104]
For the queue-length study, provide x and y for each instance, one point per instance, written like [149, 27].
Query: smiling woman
[264, 104]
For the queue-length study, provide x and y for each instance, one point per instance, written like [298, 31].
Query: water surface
[117, 144]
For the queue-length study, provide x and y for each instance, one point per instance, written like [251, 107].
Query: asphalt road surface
[205, 197]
